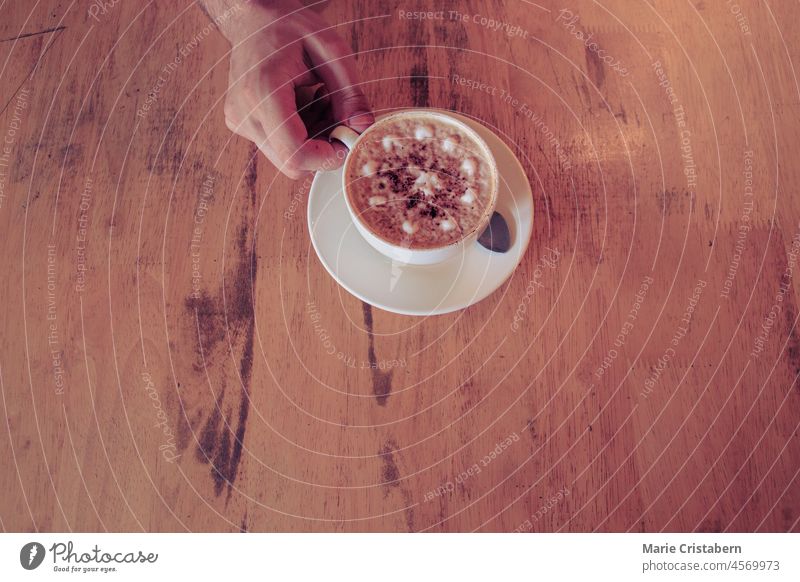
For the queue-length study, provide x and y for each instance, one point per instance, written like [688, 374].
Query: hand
[292, 80]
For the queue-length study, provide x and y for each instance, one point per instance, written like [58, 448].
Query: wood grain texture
[174, 356]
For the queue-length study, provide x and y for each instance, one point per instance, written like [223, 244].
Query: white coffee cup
[422, 256]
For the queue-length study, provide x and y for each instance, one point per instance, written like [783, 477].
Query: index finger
[287, 134]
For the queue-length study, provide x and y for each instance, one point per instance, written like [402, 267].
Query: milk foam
[419, 181]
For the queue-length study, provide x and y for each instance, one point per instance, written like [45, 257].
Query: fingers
[265, 148]
[314, 107]
[275, 126]
[252, 131]
[286, 132]
[334, 65]
[265, 95]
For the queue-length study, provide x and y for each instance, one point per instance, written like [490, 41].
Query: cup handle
[345, 135]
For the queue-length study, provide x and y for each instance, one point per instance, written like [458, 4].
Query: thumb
[334, 64]
[350, 106]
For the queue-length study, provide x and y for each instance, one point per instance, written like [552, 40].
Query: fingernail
[361, 120]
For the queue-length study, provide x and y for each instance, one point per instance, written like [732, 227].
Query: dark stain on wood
[226, 454]
[244, 313]
[409, 511]
[787, 515]
[390, 474]
[220, 469]
[390, 479]
[420, 95]
[532, 430]
[167, 156]
[360, 28]
[251, 174]
[793, 343]
[230, 312]
[623, 115]
[184, 426]
[582, 89]
[454, 33]
[71, 155]
[710, 526]
[594, 67]
[245, 366]
[210, 325]
[673, 200]
[208, 437]
[381, 381]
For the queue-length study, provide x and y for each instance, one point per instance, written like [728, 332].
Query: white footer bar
[401, 557]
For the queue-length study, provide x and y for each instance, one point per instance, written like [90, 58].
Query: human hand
[291, 80]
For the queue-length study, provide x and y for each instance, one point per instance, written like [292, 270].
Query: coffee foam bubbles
[377, 200]
[429, 187]
[388, 142]
[423, 132]
[469, 166]
[427, 182]
[369, 168]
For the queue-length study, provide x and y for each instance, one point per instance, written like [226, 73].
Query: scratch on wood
[30, 34]
[30, 74]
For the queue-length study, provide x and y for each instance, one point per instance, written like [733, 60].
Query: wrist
[243, 18]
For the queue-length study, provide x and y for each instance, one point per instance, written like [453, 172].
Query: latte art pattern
[419, 181]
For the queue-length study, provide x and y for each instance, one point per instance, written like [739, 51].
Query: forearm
[238, 19]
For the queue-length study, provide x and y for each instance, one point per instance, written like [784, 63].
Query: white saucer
[420, 290]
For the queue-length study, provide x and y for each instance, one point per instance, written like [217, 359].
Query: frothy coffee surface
[419, 181]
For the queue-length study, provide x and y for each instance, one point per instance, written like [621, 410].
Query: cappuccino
[421, 181]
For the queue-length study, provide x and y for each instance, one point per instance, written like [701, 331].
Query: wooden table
[162, 369]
